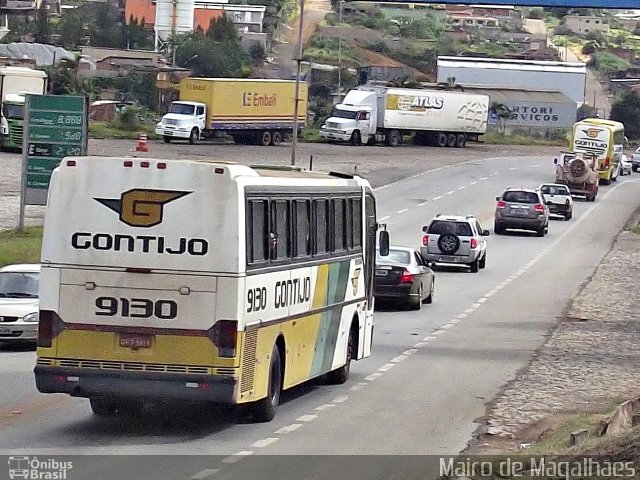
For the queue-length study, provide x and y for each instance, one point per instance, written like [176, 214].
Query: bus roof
[602, 122]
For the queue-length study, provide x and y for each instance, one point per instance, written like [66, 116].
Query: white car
[625, 166]
[635, 160]
[19, 303]
[558, 199]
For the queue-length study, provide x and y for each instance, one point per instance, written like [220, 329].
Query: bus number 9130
[136, 308]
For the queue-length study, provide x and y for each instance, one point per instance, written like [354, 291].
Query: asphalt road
[429, 377]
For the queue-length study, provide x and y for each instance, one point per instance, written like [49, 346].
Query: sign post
[55, 127]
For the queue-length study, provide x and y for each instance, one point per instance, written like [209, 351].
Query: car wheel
[416, 302]
[498, 228]
[568, 216]
[103, 407]
[483, 261]
[448, 243]
[540, 232]
[264, 410]
[432, 288]
[166, 139]
[475, 266]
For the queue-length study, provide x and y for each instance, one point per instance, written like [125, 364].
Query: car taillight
[45, 328]
[501, 204]
[539, 208]
[474, 242]
[425, 240]
[406, 277]
[224, 336]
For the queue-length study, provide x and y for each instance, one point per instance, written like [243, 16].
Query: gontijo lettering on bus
[286, 293]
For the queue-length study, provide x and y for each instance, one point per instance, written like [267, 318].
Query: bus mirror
[384, 243]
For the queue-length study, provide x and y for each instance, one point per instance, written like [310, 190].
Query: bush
[562, 30]
[128, 119]
[589, 48]
[257, 54]
[597, 36]
[536, 13]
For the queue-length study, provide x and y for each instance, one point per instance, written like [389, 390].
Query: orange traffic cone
[142, 143]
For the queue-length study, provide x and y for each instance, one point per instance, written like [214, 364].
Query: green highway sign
[55, 127]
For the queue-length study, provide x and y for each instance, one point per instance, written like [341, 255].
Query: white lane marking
[385, 218]
[484, 178]
[462, 315]
[476, 305]
[403, 210]
[473, 183]
[438, 197]
[469, 310]
[356, 388]
[493, 174]
[455, 321]
[288, 429]
[482, 300]
[398, 359]
[386, 367]
[450, 192]
[534, 164]
[500, 287]
[462, 187]
[428, 337]
[447, 326]
[410, 351]
[373, 376]
[513, 168]
[423, 204]
[437, 332]
[324, 407]
[205, 474]
[307, 418]
[264, 443]
[420, 344]
[236, 457]
[340, 399]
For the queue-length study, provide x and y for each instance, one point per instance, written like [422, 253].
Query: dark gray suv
[522, 209]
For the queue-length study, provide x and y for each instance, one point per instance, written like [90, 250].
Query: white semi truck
[381, 114]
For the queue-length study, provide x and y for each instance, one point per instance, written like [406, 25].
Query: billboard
[542, 3]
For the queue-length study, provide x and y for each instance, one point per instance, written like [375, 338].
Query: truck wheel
[194, 138]
[451, 140]
[356, 139]
[166, 139]
[442, 139]
[276, 138]
[393, 138]
[264, 138]
[461, 140]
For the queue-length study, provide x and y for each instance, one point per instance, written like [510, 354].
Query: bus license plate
[135, 341]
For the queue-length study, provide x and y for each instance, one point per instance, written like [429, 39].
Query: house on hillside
[584, 24]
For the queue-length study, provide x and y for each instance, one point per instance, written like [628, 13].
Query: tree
[585, 111]
[135, 33]
[589, 48]
[222, 30]
[626, 109]
[636, 31]
[105, 30]
[71, 29]
[536, 13]
[504, 113]
[43, 26]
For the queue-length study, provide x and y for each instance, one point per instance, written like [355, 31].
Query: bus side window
[257, 231]
[356, 223]
[280, 220]
[337, 224]
[302, 228]
[321, 223]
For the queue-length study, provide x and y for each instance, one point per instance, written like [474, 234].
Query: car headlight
[32, 317]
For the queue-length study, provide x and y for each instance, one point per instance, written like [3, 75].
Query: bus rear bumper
[142, 385]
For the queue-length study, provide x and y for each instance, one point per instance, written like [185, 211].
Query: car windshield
[181, 109]
[339, 113]
[554, 190]
[441, 227]
[14, 111]
[19, 284]
[402, 257]
[520, 197]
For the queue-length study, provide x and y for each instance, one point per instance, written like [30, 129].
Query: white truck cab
[183, 120]
[354, 120]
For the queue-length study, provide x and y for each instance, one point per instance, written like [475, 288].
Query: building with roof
[586, 23]
[568, 78]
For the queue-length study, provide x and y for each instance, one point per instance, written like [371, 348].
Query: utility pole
[340, 3]
[296, 105]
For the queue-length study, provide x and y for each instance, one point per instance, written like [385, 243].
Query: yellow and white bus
[606, 139]
[202, 281]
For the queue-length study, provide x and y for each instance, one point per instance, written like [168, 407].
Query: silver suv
[523, 209]
[455, 239]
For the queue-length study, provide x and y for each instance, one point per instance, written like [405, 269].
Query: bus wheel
[264, 410]
[341, 375]
[103, 406]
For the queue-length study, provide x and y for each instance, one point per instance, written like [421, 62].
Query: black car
[404, 275]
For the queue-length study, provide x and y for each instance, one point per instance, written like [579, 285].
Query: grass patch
[495, 138]
[310, 135]
[104, 130]
[20, 247]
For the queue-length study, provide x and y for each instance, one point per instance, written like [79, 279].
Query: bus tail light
[49, 326]
[224, 335]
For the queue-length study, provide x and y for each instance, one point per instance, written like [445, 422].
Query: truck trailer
[434, 117]
[251, 111]
[15, 83]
